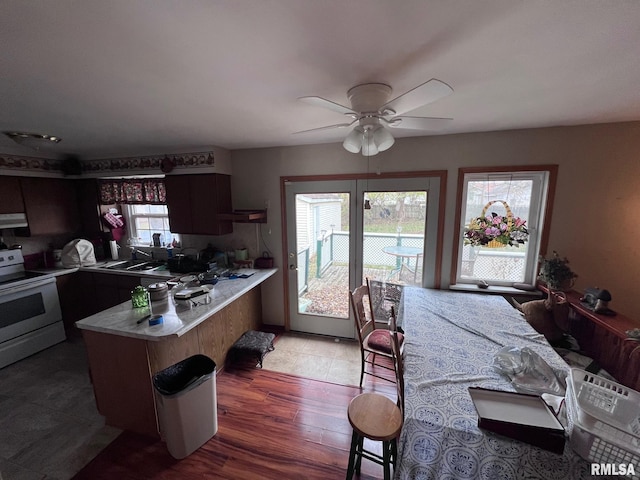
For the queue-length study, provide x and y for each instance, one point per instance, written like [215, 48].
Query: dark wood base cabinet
[83, 294]
[604, 339]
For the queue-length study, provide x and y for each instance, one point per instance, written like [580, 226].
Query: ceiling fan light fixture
[383, 139]
[33, 140]
[353, 142]
[369, 147]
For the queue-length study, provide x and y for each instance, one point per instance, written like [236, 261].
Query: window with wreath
[502, 219]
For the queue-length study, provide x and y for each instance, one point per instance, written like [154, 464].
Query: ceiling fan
[373, 112]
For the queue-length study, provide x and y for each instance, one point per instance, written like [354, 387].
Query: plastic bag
[528, 372]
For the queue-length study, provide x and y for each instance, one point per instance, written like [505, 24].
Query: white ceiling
[125, 77]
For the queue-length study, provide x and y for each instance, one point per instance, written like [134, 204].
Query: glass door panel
[320, 244]
[393, 236]
[323, 253]
[336, 241]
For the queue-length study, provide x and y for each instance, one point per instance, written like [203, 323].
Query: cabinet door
[76, 294]
[223, 202]
[106, 291]
[211, 195]
[179, 203]
[194, 202]
[51, 205]
[126, 284]
[10, 195]
[89, 207]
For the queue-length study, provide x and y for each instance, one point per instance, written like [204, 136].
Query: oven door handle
[29, 286]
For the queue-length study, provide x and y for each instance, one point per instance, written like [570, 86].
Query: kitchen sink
[135, 265]
[147, 265]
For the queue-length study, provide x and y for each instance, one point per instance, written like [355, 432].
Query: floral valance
[133, 191]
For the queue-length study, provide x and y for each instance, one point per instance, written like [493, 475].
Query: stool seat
[252, 343]
[375, 416]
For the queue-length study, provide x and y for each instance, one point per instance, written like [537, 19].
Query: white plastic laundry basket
[604, 419]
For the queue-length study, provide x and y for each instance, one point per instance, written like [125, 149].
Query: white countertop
[177, 320]
[99, 268]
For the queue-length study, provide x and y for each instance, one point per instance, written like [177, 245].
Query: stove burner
[18, 277]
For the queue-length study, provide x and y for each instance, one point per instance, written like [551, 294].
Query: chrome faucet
[135, 251]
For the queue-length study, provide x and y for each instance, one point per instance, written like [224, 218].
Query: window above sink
[145, 220]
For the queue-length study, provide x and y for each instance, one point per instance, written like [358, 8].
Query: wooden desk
[603, 338]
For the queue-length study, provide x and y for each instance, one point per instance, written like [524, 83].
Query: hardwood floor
[270, 426]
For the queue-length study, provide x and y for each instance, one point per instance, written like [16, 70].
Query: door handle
[293, 267]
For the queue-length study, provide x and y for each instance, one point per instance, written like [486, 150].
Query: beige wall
[596, 215]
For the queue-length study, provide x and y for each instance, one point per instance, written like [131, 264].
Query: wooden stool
[254, 344]
[375, 417]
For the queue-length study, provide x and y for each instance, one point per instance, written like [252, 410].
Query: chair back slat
[397, 359]
[360, 303]
[383, 296]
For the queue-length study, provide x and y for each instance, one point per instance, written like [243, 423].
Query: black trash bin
[186, 404]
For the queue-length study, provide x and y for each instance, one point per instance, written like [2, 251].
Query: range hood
[13, 220]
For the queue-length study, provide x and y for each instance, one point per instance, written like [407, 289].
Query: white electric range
[30, 316]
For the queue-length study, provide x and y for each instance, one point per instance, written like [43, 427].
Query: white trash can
[186, 404]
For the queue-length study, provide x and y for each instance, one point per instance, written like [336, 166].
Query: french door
[340, 232]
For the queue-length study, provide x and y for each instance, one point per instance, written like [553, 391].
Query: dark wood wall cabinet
[90, 208]
[196, 202]
[11, 195]
[51, 206]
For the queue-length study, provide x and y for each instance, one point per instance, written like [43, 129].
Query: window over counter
[502, 224]
[146, 220]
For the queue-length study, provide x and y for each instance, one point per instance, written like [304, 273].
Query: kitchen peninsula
[124, 354]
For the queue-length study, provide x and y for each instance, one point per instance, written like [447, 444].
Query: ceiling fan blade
[424, 94]
[419, 123]
[328, 127]
[323, 102]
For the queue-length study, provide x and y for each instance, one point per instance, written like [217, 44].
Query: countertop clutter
[122, 320]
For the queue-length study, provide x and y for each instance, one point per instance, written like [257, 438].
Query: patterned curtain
[133, 191]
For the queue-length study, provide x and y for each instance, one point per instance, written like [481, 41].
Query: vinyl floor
[49, 425]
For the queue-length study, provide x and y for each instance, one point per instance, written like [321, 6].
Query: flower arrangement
[556, 273]
[496, 231]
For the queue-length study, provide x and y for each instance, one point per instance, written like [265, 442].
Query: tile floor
[317, 357]
[49, 425]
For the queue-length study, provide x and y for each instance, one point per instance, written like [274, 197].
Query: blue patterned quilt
[450, 341]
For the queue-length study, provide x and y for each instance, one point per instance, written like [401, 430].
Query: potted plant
[556, 273]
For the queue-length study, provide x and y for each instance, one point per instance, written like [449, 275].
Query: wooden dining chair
[383, 296]
[398, 359]
[375, 417]
[373, 341]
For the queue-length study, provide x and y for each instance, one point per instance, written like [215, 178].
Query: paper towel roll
[114, 249]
